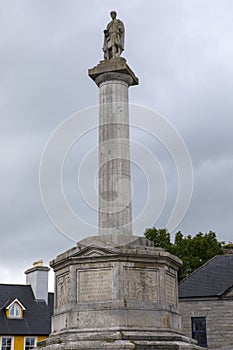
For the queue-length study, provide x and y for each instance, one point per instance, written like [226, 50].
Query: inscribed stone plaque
[94, 285]
[63, 289]
[170, 288]
[141, 284]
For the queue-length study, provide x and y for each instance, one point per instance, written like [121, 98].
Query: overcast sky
[182, 52]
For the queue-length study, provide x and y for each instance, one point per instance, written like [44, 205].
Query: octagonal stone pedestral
[116, 292]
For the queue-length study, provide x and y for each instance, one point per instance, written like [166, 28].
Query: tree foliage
[193, 251]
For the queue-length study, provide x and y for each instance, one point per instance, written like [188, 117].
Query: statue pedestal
[116, 293]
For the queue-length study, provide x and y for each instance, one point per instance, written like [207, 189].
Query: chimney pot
[38, 263]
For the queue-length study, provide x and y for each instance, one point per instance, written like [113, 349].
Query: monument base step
[125, 340]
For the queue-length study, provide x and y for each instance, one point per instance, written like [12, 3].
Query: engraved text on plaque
[94, 285]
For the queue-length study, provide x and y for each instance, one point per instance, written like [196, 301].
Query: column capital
[114, 69]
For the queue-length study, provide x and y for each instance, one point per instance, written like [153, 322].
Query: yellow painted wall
[18, 343]
[18, 340]
[41, 337]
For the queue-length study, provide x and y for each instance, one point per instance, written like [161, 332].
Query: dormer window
[15, 309]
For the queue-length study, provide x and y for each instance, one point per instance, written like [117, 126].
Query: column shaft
[115, 209]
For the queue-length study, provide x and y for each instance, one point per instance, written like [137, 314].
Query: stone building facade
[206, 304]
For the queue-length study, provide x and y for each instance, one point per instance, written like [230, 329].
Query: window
[7, 343]
[15, 310]
[30, 343]
[199, 330]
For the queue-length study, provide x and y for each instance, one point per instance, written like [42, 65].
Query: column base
[119, 339]
[116, 292]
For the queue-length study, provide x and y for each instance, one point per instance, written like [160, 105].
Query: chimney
[37, 277]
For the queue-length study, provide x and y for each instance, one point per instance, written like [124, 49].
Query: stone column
[113, 77]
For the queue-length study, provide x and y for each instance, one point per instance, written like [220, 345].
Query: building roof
[212, 279]
[37, 316]
[9, 303]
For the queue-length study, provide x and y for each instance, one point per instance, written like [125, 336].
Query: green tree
[193, 251]
[161, 237]
[228, 246]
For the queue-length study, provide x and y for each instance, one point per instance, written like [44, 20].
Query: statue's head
[113, 14]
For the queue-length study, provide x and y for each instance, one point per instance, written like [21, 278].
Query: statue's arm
[121, 28]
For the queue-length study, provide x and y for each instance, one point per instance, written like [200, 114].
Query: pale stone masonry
[115, 291]
[208, 294]
[219, 320]
[114, 77]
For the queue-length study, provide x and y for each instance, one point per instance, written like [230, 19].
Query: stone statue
[114, 36]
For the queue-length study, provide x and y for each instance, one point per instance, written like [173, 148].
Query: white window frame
[12, 341]
[12, 304]
[29, 336]
[14, 307]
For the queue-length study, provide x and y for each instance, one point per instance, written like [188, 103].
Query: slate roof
[37, 316]
[212, 279]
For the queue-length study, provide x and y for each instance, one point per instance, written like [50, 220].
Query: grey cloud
[182, 53]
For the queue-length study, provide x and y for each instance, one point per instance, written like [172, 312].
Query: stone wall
[219, 320]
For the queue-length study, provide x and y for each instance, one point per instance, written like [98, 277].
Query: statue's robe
[115, 36]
